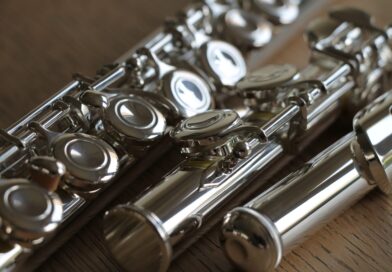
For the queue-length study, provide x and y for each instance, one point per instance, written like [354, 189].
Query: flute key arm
[47, 172]
[78, 112]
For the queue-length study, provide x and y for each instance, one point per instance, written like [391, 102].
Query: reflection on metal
[223, 153]
[72, 148]
[256, 236]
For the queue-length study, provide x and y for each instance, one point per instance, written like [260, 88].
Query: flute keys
[132, 119]
[188, 91]
[28, 212]
[268, 77]
[223, 62]
[91, 162]
[244, 29]
[207, 131]
[135, 119]
[278, 11]
[205, 125]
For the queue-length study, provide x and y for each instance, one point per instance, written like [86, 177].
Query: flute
[60, 158]
[257, 235]
[223, 152]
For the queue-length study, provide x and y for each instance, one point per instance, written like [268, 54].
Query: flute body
[257, 235]
[224, 151]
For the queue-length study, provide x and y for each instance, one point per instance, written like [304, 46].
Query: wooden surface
[41, 44]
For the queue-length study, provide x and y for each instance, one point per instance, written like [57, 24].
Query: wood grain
[42, 43]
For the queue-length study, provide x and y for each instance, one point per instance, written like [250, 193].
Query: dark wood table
[43, 43]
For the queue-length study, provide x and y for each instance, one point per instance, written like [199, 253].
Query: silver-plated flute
[350, 59]
[60, 157]
[257, 235]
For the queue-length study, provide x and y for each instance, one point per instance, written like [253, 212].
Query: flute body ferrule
[194, 197]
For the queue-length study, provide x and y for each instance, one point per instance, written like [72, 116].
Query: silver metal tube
[185, 199]
[257, 235]
[332, 101]
[278, 121]
[109, 78]
[340, 186]
[186, 190]
[182, 203]
[28, 118]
